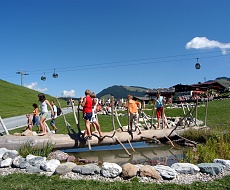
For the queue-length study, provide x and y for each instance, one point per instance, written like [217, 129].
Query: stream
[146, 153]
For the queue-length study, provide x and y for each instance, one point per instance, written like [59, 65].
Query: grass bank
[41, 182]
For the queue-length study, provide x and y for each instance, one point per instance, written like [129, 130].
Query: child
[54, 117]
[160, 110]
[87, 103]
[133, 111]
[36, 117]
[29, 123]
[94, 120]
[44, 112]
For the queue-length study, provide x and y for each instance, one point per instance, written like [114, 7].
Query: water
[145, 153]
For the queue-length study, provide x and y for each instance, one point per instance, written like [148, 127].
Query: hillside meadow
[17, 100]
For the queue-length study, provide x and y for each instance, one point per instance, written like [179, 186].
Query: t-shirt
[55, 112]
[159, 102]
[88, 105]
[132, 105]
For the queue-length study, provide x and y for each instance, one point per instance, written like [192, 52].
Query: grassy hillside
[17, 100]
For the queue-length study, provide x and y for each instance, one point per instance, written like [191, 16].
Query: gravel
[179, 179]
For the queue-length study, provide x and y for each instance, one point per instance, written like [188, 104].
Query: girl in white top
[44, 112]
[94, 120]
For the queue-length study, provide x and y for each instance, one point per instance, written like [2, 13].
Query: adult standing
[53, 117]
[87, 103]
[159, 101]
[132, 106]
[44, 112]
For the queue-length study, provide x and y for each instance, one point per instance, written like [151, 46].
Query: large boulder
[65, 168]
[129, 170]
[211, 168]
[186, 168]
[110, 170]
[88, 169]
[165, 171]
[226, 163]
[149, 171]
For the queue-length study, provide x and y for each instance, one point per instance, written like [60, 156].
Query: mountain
[118, 91]
[224, 81]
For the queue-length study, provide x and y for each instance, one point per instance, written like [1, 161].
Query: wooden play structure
[117, 135]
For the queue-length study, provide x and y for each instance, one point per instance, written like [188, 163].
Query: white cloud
[70, 93]
[204, 43]
[34, 86]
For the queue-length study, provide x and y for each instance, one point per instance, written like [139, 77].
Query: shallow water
[145, 153]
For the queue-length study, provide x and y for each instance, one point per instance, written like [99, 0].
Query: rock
[165, 171]
[226, 163]
[4, 150]
[50, 165]
[88, 169]
[17, 161]
[6, 163]
[110, 170]
[186, 168]
[33, 169]
[29, 156]
[71, 158]
[9, 155]
[65, 168]
[27, 133]
[37, 161]
[211, 168]
[148, 171]
[24, 165]
[59, 155]
[129, 170]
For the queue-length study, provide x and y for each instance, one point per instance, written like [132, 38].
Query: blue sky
[95, 44]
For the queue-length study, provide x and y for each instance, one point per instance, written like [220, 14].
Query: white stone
[110, 170]
[166, 171]
[29, 157]
[6, 163]
[50, 165]
[186, 168]
[226, 163]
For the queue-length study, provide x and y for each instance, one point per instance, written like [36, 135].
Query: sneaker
[56, 130]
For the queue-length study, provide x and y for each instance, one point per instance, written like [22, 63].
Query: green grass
[16, 100]
[41, 182]
[218, 117]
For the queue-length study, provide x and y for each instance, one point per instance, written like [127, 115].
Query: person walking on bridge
[44, 112]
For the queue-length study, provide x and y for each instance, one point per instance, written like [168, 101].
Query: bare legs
[43, 126]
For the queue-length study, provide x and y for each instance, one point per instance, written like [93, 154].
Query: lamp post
[22, 73]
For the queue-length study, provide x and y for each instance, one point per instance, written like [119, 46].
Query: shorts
[134, 118]
[87, 116]
[36, 120]
[159, 112]
[93, 119]
[52, 122]
[45, 115]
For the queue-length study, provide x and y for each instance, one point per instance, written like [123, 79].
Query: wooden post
[206, 113]
[75, 117]
[4, 127]
[47, 128]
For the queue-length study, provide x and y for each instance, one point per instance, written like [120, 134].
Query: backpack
[58, 111]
